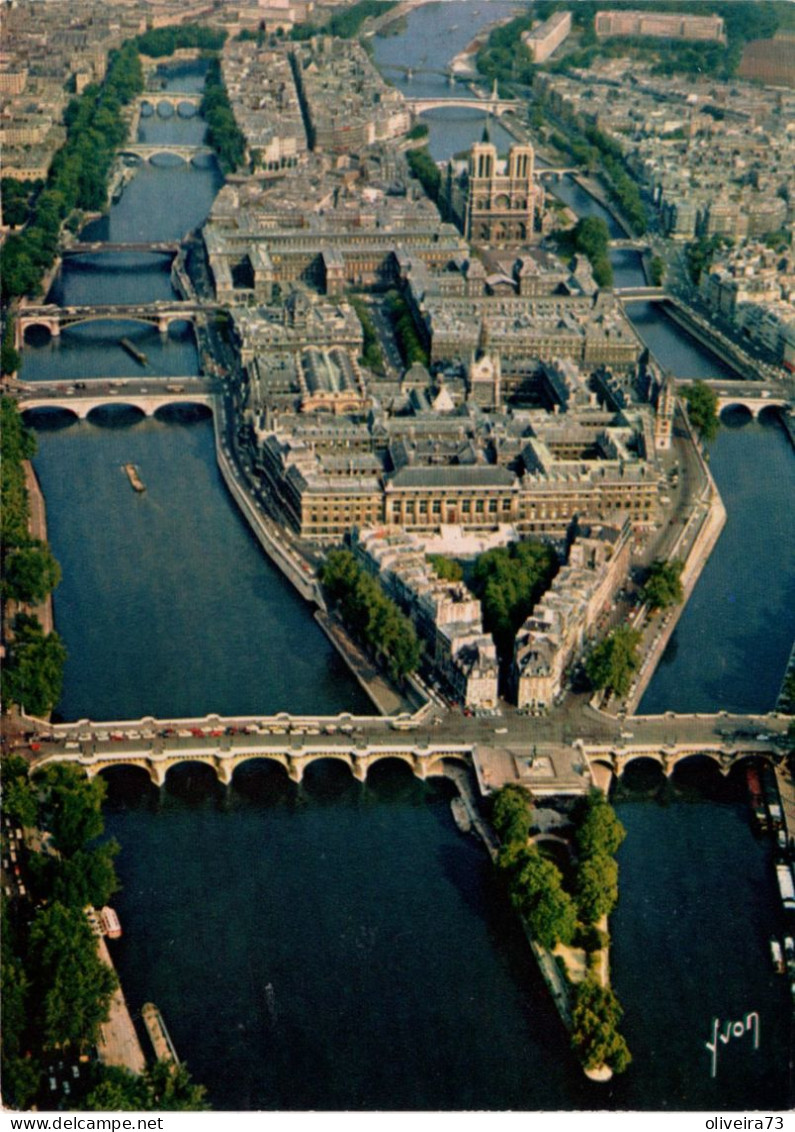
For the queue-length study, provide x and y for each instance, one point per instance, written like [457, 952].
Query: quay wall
[701, 547]
[118, 1043]
[594, 189]
[37, 525]
[307, 587]
[731, 356]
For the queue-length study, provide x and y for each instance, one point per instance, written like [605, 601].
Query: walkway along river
[353, 902]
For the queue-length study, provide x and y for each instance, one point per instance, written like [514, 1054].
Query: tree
[663, 585]
[509, 582]
[73, 987]
[594, 1032]
[72, 806]
[33, 673]
[10, 357]
[31, 572]
[172, 1090]
[702, 409]
[613, 661]
[537, 893]
[448, 569]
[656, 271]
[597, 887]
[598, 829]
[117, 1091]
[87, 877]
[512, 814]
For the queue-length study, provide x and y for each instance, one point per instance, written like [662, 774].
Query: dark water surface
[168, 606]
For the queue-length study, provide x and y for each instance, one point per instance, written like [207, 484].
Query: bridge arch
[437, 764]
[694, 760]
[50, 416]
[736, 412]
[108, 412]
[124, 777]
[768, 414]
[312, 762]
[274, 759]
[171, 773]
[382, 759]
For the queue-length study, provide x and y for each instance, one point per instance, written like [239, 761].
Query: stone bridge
[101, 247]
[723, 755]
[154, 752]
[495, 106]
[295, 742]
[638, 294]
[755, 396]
[173, 98]
[146, 151]
[629, 245]
[82, 404]
[55, 318]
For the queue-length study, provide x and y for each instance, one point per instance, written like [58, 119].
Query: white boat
[110, 923]
[777, 956]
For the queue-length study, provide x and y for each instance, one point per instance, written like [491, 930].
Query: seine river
[339, 945]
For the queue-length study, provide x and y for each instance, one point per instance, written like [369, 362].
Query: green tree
[427, 172]
[702, 409]
[31, 572]
[71, 806]
[73, 987]
[10, 358]
[594, 1035]
[598, 828]
[613, 661]
[164, 1087]
[509, 581]
[118, 1091]
[656, 271]
[448, 569]
[597, 887]
[663, 585]
[33, 673]
[370, 614]
[172, 1090]
[86, 877]
[512, 814]
[537, 893]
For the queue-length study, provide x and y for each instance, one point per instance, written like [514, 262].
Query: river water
[339, 945]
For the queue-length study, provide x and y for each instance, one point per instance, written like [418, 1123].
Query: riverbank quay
[118, 1043]
[724, 348]
[595, 189]
[37, 526]
[267, 533]
[692, 545]
[386, 699]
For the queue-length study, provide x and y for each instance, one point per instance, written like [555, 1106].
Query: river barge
[757, 798]
[133, 351]
[158, 1034]
[136, 482]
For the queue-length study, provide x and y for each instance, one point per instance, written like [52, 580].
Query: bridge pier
[359, 769]
[295, 770]
[157, 773]
[224, 772]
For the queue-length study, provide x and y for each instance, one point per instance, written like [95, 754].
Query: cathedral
[493, 200]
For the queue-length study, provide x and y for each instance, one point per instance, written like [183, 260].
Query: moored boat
[110, 923]
[136, 482]
[777, 955]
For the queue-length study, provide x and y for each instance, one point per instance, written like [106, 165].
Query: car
[500, 730]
